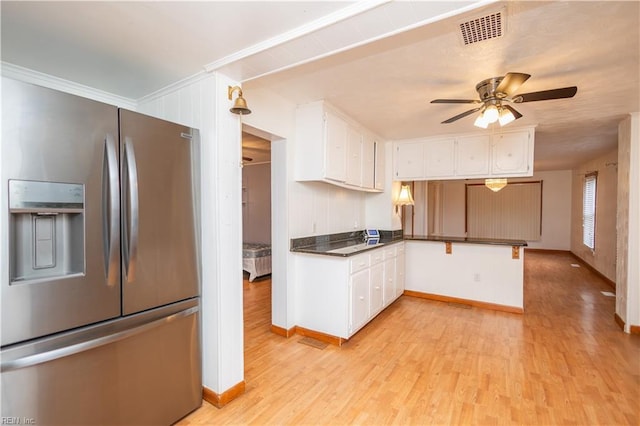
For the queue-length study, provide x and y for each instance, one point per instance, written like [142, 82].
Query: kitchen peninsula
[487, 273]
[346, 280]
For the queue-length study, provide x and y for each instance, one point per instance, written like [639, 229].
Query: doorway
[256, 206]
[280, 293]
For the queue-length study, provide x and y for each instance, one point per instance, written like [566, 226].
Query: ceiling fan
[496, 92]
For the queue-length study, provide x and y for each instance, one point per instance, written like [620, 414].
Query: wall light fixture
[240, 105]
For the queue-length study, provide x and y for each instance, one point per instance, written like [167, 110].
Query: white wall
[603, 258]
[556, 210]
[321, 208]
[380, 212]
[628, 223]
[256, 203]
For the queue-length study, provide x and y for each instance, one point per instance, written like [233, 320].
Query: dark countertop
[341, 245]
[467, 240]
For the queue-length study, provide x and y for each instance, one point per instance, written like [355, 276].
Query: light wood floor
[564, 361]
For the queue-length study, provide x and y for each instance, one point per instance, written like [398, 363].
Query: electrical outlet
[476, 277]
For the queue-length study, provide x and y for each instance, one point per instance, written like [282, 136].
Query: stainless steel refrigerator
[100, 263]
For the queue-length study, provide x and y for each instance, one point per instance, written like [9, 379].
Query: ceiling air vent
[484, 28]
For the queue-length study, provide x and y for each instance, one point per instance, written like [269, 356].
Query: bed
[256, 259]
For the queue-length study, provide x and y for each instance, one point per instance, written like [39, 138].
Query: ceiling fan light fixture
[491, 114]
[506, 117]
[481, 122]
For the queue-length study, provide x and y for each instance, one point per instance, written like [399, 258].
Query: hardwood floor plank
[564, 361]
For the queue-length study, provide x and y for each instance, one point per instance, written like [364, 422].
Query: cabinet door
[439, 157]
[389, 288]
[510, 154]
[354, 157]
[335, 148]
[376, 286]
[359, 305]
[379, 166]
[368, 161]
[399, 272]
[472, 156]
[409, 160]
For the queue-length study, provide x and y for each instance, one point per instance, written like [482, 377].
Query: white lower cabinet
[399, 281]
[389, 280]
[337, 296]
[359, 302]
[375, 290]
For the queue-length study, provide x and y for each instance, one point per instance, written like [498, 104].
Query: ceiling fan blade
[565, 92]
[459, 116]
[515, 113]
[511, 82]
[455, 101]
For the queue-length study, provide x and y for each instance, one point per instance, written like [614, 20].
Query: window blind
[589, 210]
[514, 212]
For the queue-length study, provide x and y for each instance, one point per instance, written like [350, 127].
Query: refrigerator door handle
[131, 215]
[111, 210]
[61, 352]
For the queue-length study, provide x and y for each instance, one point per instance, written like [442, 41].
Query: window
[589, 210]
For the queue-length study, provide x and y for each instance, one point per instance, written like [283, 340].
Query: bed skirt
[256, 259]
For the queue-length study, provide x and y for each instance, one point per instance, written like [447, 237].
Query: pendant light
[495, 184]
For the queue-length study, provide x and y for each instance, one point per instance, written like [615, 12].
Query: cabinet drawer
[400, 249]
[377, 256]
[360, 262]
[390, 252]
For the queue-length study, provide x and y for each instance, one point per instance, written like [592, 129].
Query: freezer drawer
[142, 370]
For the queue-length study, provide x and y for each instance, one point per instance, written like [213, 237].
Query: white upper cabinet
[332, 148]
[439, 157]
[335, 141]
[512, 154]
[379, 174]
[503, 154]
[473, 155]
[409, 158]
[368, 161]
[354, 157]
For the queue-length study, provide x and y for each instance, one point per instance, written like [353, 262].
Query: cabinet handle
[361, 297]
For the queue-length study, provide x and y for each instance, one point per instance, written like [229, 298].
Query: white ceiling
[133, 49]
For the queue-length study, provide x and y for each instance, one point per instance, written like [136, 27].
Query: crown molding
[174, 87]
[46, 80]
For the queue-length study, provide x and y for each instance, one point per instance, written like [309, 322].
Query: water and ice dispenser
[46, 230]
